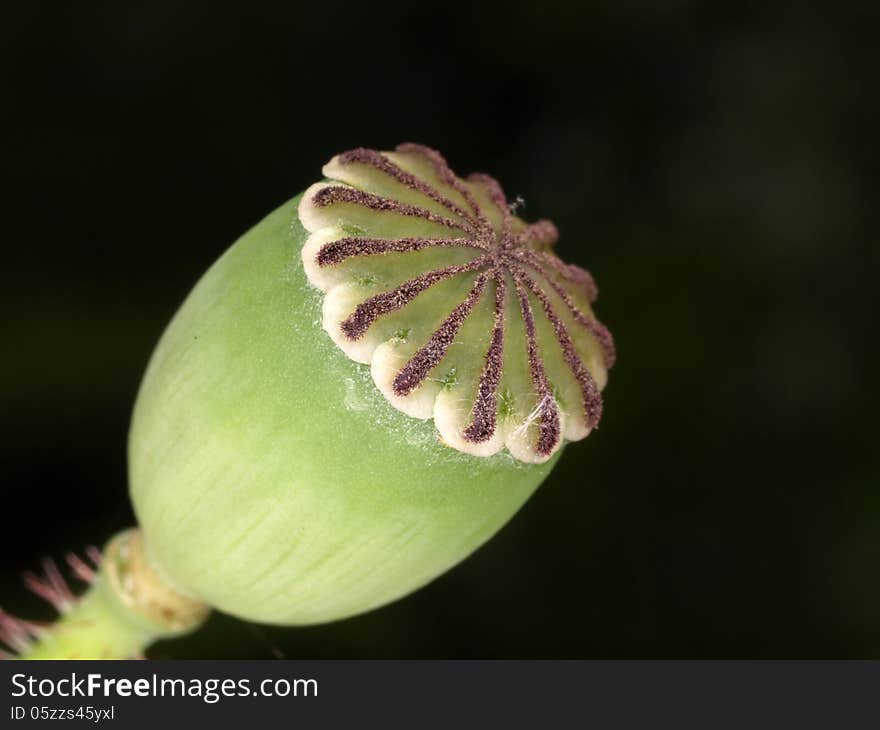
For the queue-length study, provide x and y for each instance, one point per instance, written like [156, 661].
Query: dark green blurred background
[714, 165]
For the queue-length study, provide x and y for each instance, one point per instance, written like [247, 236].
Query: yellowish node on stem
[143, 591]
[126, 609]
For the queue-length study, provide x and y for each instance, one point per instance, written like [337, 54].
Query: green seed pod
[359, 393]
[273, 480]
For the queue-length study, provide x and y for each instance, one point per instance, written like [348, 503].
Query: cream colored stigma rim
[462, 310]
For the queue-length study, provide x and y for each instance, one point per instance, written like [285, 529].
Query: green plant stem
[100, 626]
[127, 608]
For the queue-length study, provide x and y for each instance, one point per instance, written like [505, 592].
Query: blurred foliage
[713, 164]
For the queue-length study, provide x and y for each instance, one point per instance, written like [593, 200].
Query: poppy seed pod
[360, 392]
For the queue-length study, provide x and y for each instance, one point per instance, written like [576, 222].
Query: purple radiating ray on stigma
[570, 272]
[499, 200]
[592, 398]
[550, 430]
[338, 251]
[446, 175]
[334, 194]
[599, 331]
[484, 413]
[433, 351]
[380, 162]
[371, 309]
